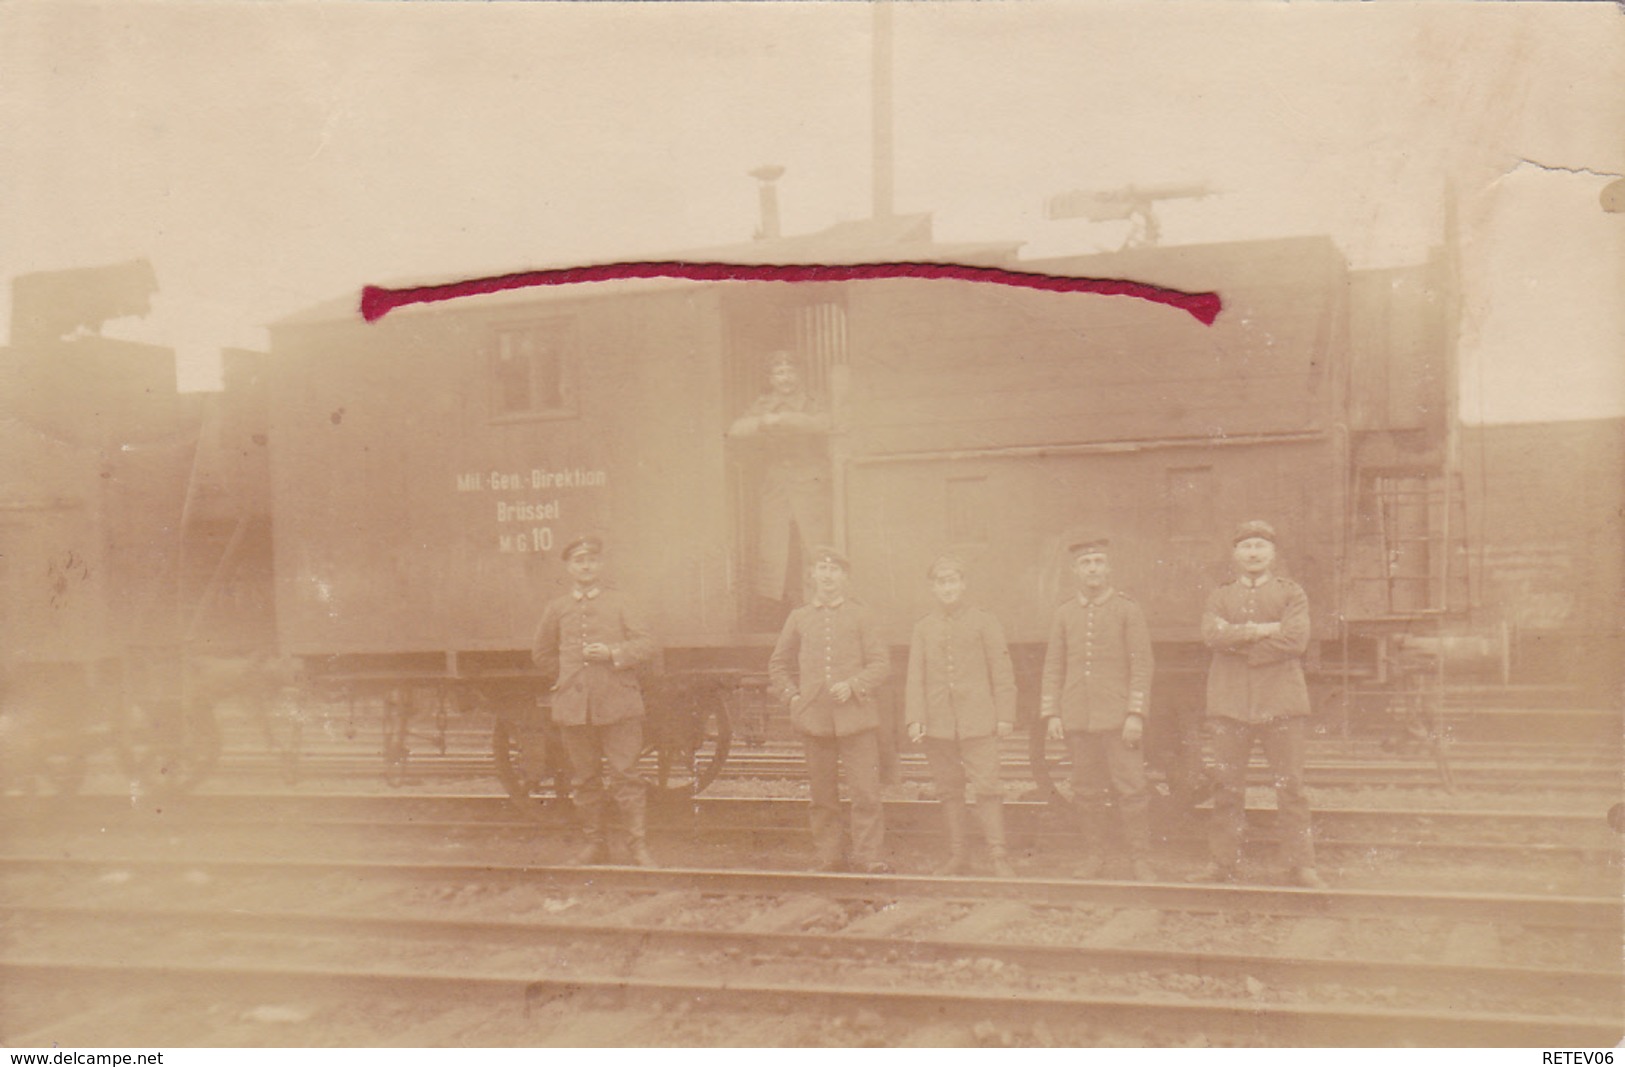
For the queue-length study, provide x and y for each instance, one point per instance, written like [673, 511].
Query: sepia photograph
[974, 524]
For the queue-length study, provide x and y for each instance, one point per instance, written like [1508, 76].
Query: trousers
[859, 754]
[1285, 745]
[603, 760]
[953, 762]
[1104, 771]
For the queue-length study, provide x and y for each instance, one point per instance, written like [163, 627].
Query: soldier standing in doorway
[787, 427]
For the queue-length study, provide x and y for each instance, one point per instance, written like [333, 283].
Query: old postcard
[863, 524]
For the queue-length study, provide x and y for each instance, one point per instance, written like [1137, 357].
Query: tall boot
[1137, 834]
[589, 808]
[634, 810]
[1091, 814]
[953, 813]
[990, 812]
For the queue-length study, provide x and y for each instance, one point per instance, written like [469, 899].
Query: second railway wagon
[96, 611]
[427, 468]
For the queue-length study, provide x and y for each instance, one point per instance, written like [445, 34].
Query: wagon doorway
[784, 367]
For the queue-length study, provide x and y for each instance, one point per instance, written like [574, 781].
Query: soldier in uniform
[960, 699]
[826, 665]
[1097, 683]
[591, 641]
[1258, 629]
[787, 426]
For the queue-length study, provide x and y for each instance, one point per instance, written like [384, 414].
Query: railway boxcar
[99, 450]
[426, 472]
[1001, 423]
[427, 466]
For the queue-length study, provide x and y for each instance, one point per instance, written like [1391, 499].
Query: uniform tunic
[600, 693]
[1097, 669]
[961, 684]
[1254, 681]
[828, 644]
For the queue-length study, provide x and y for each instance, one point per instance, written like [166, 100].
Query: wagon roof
[1301, 261]
[899, 238]
[907, 238]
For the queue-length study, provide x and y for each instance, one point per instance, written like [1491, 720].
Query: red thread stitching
[376, 301]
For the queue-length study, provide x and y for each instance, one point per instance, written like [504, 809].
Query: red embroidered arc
[376, 302]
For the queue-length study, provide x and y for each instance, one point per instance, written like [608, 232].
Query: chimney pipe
[880, 103]
[768, 197]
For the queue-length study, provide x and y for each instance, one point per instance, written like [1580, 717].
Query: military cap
[945, 562]
[1254, 528]
[782, 358]
[828, 554]
[585, 541]
[1089, 543]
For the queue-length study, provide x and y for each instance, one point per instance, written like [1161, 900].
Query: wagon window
[1189, 494]
[967, 511]
[533, 371]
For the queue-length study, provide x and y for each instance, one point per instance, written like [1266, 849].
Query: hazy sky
[268, 156]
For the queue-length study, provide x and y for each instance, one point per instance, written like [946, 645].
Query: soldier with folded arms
[1258, 629]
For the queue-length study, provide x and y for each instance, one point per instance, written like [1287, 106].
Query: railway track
[241, 915]
[1484, 768]
[335, 744]
[1031, 962]
[1321, 774]
[1537, 852]
[1551, 832]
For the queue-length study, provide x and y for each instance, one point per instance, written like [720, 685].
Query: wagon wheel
[283, 728]
[395, 718]
[167, 749]
[528, 763]
[30, 756]
[1428, 722]
[62, 765]
[684, 755]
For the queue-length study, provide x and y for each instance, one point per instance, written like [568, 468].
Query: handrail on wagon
[1083, 448]
[742, 676]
